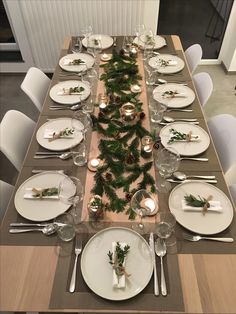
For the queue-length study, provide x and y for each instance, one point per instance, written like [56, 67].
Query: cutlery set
[62, 156]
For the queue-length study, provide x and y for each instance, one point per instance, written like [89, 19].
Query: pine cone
[100, 114]
[128, 196]
[129, 159]
[108, 176]
[142, 115]
[116, 135]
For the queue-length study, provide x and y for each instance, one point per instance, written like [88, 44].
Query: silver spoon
[47, 230]
[160, 249]
[182, 176]
[73, 108]
[63, 156]
[162, 81]
[170, 119]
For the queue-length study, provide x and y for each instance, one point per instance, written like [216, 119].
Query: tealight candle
[105, 56]
[135, 88]
[147, 146]
[94, 162]
[128, 112]
[103, 102]
[150, 204]
[102, 105]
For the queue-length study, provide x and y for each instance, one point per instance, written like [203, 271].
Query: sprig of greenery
[77, 89]
[118, 259]
[191, 200]
[45, 192]
[177, 136]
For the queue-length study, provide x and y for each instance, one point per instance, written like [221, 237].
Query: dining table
[35, 269]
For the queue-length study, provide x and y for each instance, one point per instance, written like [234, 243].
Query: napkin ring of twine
[206, 205]
[120, 270]
[39, 193]
[189, 136]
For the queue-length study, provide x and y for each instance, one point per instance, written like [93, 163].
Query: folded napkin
[165, 63]
[173, 94]
[192, 138]
[117, 281]
[215, 206]
[67, 91]
[171, 63]
[68, 61]
[55, 134]
[39, 193]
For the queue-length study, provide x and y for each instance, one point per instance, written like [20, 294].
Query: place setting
[70, 92]
[76, 62]
[174, 95]
[166, 63]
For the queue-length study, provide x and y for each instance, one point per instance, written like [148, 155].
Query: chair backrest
[204, 86]
[6, 190]
[193, 55]
[223, 129]
[16, 130]
[233, 192]
[35, 85]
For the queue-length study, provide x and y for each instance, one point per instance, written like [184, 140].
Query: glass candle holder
[146, 146]
[128, 112]
[95, 208]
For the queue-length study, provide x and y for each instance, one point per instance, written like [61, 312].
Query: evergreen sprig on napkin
[64, 133]
[191, 200]
[117, 261]
[179, 136]
[169, 94]
[45, 192]
[77, 89]
[77, 62]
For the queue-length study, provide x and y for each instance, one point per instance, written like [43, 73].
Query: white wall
[47, 23]
[228, 50]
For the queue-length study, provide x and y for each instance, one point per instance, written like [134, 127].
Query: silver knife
[22, 224]
[151, 244]
[41, 170]
[179, 181]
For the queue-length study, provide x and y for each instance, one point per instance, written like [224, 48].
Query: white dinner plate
[154, 63]
[211, 222]
[185, 100]
[97, 272]
[88, 59]
[159, 41]
[69, 99]
[60, 143]
[191, 148]
[45, 209]
[106, 41]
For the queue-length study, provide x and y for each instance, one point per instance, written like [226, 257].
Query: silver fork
[78, 250]
[196, 237]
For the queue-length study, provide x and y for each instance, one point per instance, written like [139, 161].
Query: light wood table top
[27, 272]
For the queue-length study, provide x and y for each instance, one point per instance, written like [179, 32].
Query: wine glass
[167, 162]
[81, 122]
[87, 31]
[139, 30]
[76, 46]
[142, 203]
[164, 227]
[71, 192]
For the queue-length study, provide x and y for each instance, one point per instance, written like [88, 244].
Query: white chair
[223, 129]
[233, 192]
[16, 130]
[35, 85]
[6, 190]
[204, 86]
[193, 55]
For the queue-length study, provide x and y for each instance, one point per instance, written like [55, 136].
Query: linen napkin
[68, 61]
[51, 134]
[215, 206]
[173, 94]
[38, 193]
[192, 138]
[118, 281]
[171, 63]
[68, 91]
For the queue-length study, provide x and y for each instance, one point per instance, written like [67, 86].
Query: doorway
[196, 21]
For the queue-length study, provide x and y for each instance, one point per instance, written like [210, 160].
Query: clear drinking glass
[80, 154]
[142, 203]
[87, 31]
[139, 31]
[156, 110]
[66, 231]
[167, 162]
[71, 192]
[165, 227]
[76, 46]
[81, 122]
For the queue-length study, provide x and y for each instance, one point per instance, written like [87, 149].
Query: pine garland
[120, 147]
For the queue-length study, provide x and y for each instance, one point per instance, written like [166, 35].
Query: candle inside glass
[150, 204]
[94, 162]
[104, 56]
[147, 146]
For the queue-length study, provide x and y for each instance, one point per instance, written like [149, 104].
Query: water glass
[167, 162]
[165, 227]
[76, 46]
[156, 111]
[80, 154]
[66, 232]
